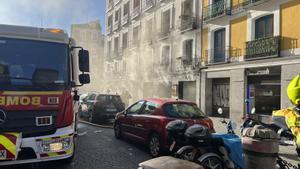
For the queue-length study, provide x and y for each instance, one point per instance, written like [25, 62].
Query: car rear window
[109, 98]
[183, 110]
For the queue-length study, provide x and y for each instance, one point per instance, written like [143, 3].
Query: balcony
[221, 55]
[108, 30]
[116, 2]
[125, 19]
[147, 4]
[241, 5]
[110, 6]
[164, 34]
[116, 25]
[187, 22]
[135, 13]
[217, 9]
[263, 48]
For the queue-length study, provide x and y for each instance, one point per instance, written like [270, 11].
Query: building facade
[251, 51]
[152, 48]
[89, 36]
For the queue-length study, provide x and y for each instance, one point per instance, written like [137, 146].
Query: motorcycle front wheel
[212, 162]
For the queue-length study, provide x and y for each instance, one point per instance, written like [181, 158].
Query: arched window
[264, 27]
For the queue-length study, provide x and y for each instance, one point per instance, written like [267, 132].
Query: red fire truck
[40, 72]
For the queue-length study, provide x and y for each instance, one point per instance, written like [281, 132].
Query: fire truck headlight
[56, 145]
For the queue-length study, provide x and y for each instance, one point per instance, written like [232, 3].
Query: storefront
[263, 90]
[220, 96]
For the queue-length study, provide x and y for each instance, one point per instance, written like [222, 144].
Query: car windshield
[183, 110]
[30, 63]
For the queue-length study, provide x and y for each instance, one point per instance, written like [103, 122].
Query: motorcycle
[211, 150]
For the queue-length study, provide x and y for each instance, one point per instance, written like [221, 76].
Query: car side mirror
[84, 79]
[84, 62]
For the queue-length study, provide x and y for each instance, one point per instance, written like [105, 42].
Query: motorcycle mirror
[253, 110]
[220, 111]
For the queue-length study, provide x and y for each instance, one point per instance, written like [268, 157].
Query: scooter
[212, 151]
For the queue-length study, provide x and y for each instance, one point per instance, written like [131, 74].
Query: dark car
[98, 107]
[145, 121]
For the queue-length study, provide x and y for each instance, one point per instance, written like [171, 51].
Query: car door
[143, 122]
[127, 125]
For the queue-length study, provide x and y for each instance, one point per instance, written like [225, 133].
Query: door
[144, 121]
[128, 127]
[219, 46]
[221, 91]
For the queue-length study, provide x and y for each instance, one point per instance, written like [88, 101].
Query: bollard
[260, 146]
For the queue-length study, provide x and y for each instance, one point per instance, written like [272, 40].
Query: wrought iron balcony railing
[125, 19]
[135, 12]
[147, 4]
[264, 47]
[164, 34]
[116, 25]
[187, 22]
[216, 9]
[219, 55]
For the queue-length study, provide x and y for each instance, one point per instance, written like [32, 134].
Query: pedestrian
[292, 115]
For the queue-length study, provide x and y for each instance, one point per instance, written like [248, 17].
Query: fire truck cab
[40, 72]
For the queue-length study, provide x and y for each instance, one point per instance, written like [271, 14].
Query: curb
[96, 125]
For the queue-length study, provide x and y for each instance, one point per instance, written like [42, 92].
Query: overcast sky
[51, 13]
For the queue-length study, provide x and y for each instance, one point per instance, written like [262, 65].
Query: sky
[51, 13]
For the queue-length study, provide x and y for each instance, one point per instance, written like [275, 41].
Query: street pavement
[97, 148]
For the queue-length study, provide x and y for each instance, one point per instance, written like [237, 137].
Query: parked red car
[145, 121]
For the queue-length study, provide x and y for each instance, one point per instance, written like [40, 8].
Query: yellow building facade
[250, 49]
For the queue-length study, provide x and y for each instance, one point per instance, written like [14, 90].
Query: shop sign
[258, 72]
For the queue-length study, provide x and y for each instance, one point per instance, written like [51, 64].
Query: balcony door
[219, 46]
[264, 27]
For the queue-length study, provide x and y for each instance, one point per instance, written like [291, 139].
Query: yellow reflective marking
[32, 93]
[11, 147]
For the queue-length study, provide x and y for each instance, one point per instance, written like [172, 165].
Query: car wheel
[155, 145]
[212, 162]
[118, 131]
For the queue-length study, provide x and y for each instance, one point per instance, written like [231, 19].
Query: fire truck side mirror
[84, 79]
[84, 63]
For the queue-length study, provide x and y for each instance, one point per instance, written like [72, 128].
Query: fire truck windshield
[31, 63]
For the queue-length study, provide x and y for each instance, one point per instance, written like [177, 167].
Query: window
[117, 15]
[116, 45]
[135, 35]
[187, 7]
[149, 108]
[126, 9]
[136, 4]
[264, 27]
[135, 109]
[109, 48]
[188, 50]
[183, 110]
[166, 21]
[219, 46]
[165, 56]
[148, 31]
[110, 19]
[125, 40]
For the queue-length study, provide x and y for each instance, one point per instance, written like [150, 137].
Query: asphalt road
[97, 148]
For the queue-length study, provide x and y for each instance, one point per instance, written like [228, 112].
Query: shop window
[219, 46]
[264, 27]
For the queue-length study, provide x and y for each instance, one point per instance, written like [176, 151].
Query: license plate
[3, 155]
[111, 110]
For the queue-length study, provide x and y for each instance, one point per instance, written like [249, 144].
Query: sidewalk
[287, 152]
